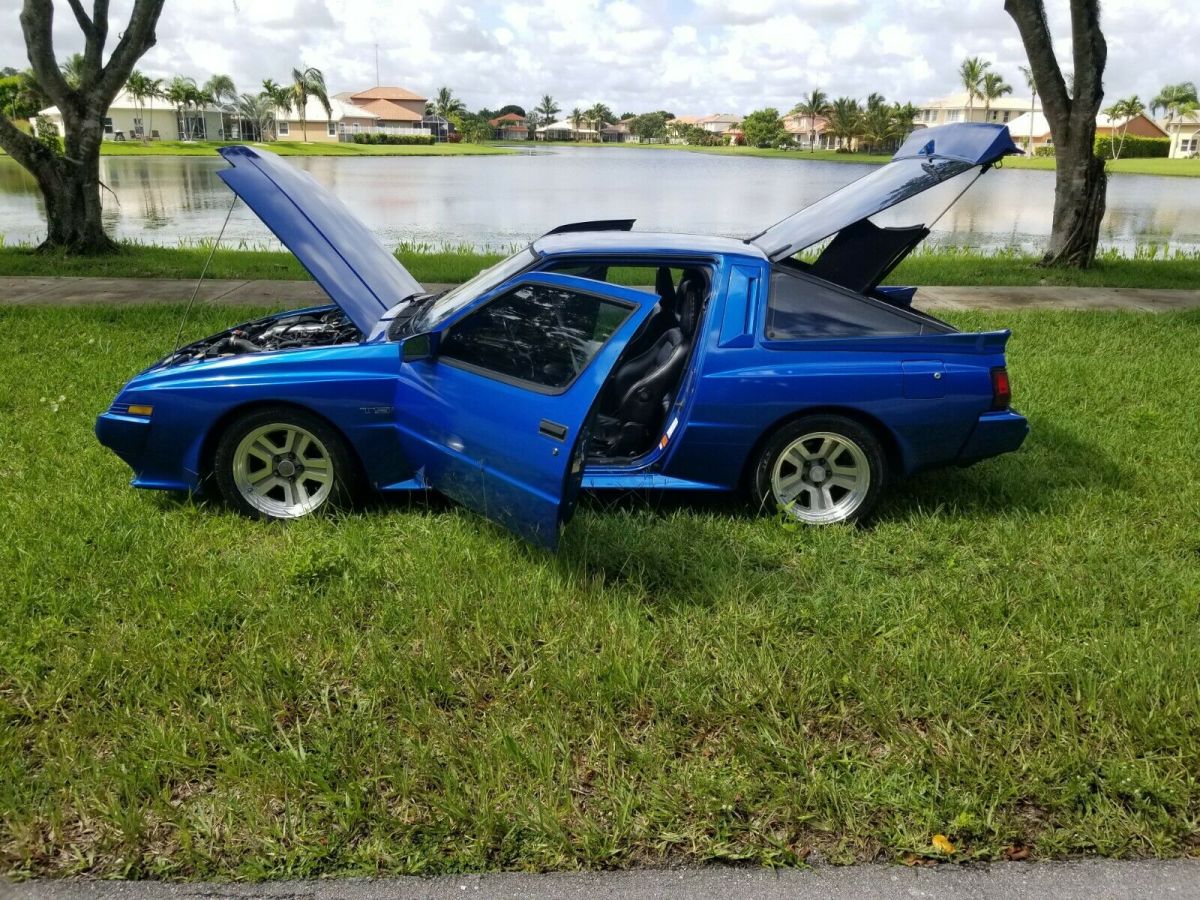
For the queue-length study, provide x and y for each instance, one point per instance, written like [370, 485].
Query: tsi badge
[376, 410]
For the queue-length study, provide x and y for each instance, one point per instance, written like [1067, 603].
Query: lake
[496, 201]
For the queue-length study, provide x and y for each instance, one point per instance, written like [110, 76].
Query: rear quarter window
[802, 308]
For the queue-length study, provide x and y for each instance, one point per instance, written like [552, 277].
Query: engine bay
[282, 331]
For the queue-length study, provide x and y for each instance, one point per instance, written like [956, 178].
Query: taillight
[1001, 389]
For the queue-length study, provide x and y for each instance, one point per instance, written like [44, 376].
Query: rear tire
[820, 470]
[284, 463]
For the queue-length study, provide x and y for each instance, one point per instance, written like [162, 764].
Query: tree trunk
[1079, 201]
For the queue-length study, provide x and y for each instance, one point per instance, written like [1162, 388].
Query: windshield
[455, 299]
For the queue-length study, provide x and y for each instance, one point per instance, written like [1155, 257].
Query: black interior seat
[693, 288]
[663, 318]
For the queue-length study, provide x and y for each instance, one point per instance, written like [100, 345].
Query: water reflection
[502, 200]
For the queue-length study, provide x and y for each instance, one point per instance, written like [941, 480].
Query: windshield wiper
[410, 312]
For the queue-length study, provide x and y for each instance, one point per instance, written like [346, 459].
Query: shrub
[47, 135]
[1047, 150]
[418, 139]
[1134, 147]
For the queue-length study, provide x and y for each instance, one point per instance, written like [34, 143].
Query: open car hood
[341, 254]
[929, 157]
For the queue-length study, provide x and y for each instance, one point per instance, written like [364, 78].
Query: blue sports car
[775, 364]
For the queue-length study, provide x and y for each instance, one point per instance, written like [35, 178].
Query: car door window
[535, 333]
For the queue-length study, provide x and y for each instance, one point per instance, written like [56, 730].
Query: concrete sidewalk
[1078, 880]
[46, 291]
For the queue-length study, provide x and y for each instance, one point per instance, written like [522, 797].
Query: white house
[127, 121]
[959, 108]
[1185, 136]
[563, 130]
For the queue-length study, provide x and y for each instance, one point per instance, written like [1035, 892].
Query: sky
[685, 56]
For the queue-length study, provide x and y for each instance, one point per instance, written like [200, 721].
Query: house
[564, 130]
[342, 123]
[719, 123]
[616, 132]
[126, 120]
[960, 108]
[510, 127]
[809, 132]
[396, 110]
[1185, 136]
[1026, 127]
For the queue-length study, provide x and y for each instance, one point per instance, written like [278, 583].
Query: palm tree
[221, 89]
[598, 115]
[259, 111]
[72, 70]
[445, 104]
[547, 108]
[1126, 109]
[576, 121]
[845, 120]
[280, 99]
[180, 93]
[875, 100]
[141, 88]
[878, 125]
[905, 114]
[1172, 98]
[993, 87]
[308, 83]
[1033, 92]
[815, 104]
[970, 74]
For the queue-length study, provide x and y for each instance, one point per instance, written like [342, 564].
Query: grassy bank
[294, 148]
[1006, 657]
[441, 264]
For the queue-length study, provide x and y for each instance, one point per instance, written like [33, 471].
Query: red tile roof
[387, 93]
[507, 117]
[388, 110]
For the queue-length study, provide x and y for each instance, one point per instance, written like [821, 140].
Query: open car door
[494, 408]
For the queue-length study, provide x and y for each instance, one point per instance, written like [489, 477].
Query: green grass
[1008, 656]
[1150, 267]
[1173, 167]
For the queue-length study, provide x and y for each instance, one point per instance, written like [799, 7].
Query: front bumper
[130, 438]
[994, 433]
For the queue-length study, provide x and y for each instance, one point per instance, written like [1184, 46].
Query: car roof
[642, 243]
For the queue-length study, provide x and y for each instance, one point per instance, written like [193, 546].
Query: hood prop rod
[211, 253]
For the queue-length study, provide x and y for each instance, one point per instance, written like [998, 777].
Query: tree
[548, 109]
[649, 127]
[224, 94]
[445, 104]
[20, 96]
[815, 104]
[259, 111]
[970, 73]
[308, 83]
[280, 99]
[906, 114]
[70, 180]
[181, 93]
[510, 108]
[1177, 100]
[142, 88]
[72, 70]
[598, 115]
[845, 121]
[880, 125]
[1031, 83]
[1125, 109]
[993, 87]
[764, 128]
[1080, 179]
[576, 121]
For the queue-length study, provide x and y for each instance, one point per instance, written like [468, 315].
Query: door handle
[552, 430]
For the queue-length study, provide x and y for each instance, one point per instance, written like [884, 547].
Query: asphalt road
[1081, 880]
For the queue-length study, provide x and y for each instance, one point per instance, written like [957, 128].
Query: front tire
[820, 470]
[283, 463]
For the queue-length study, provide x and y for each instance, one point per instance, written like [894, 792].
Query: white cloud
[690, 56]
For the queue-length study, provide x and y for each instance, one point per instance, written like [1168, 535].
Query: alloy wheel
[283, 470]
[821, 477]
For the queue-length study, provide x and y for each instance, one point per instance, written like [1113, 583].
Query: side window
[801, 308]
[534, 333]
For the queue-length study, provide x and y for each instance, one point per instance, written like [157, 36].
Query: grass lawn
[1007, 657]
[451, 263]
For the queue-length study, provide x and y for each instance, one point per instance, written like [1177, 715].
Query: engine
[286, 331]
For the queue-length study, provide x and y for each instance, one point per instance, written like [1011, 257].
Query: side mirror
[420, 346]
